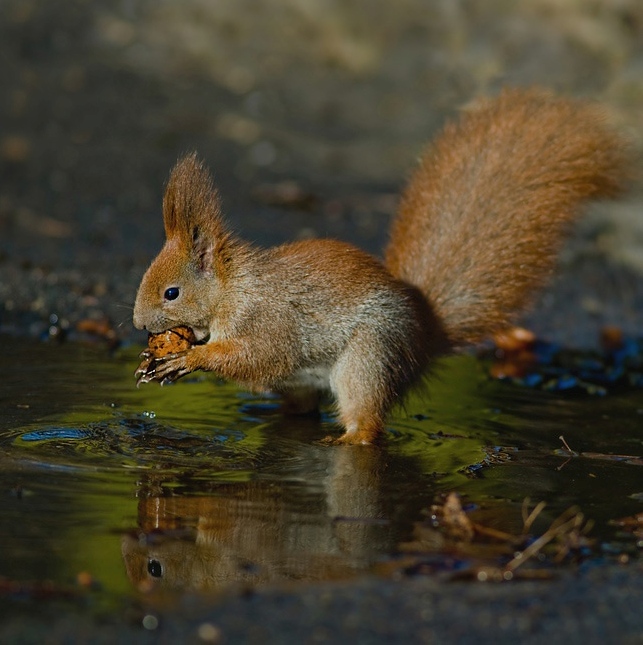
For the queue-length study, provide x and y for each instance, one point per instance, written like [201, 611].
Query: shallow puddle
[200, 486]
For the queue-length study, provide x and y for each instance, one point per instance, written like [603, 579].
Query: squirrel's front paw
[164, 369]
[166, 356]
[171, 367]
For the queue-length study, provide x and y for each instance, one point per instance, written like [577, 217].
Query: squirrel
[478, 230]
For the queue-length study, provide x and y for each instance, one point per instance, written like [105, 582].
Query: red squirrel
[478, 230]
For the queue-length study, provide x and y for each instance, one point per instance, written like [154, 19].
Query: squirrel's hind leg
[363, 394]
[364, 432]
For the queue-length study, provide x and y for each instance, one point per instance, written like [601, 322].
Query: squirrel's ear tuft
[191, 206]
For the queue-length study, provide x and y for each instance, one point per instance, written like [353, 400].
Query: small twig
[525, 509]
[569, 450]
[572, 512]
[493, 533]
[537, 545]
[564, 463]
[532, 516]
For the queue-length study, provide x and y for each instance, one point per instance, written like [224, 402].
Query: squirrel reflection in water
[323, 520]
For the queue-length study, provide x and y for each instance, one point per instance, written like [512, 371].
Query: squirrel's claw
[358, 438]
[166, 369]
[142, 370]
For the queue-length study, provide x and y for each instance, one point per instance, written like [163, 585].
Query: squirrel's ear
[192, 211]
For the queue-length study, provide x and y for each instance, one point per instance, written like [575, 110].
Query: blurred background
[310, 113]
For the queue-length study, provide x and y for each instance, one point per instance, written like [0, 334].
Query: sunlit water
[201, 486]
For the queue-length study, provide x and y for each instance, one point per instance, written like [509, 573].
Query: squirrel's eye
[171, 294]
[155, 568]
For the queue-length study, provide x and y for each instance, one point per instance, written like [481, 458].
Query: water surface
[202, 486]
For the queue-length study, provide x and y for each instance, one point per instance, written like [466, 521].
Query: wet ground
[99, 99]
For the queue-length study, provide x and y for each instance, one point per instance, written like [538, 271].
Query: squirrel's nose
[138, 323]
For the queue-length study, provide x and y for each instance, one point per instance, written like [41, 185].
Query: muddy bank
[592, 607]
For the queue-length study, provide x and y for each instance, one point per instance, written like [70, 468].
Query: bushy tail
[481, 222]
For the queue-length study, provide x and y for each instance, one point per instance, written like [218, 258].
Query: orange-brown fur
[477, 231]
[483, 217]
